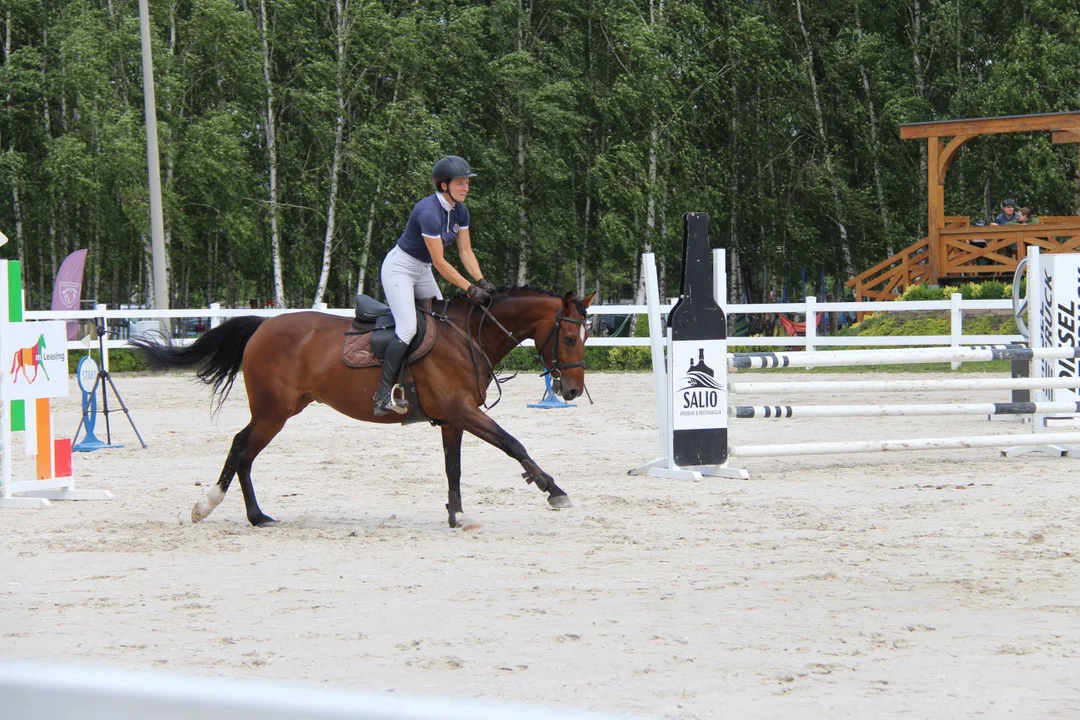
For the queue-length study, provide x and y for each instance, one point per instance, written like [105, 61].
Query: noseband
[556, 367]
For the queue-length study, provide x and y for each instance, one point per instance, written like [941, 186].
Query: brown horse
[293, 360]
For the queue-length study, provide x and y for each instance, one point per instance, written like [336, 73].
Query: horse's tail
[216, 356]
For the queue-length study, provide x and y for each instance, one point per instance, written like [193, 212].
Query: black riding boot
[384, 401]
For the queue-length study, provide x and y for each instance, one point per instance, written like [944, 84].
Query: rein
[475, 346]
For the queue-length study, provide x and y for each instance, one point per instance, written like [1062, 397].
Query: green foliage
[921, 292]
[120, 360]
[987, 290]
[993, 290]
[902, 324]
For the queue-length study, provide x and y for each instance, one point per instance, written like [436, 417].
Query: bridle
[554, 369]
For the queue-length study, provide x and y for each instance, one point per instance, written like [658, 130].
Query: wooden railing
[965, 251]
[887, 279]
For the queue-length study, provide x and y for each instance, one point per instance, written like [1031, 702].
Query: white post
[215, 320]
[319, 306]
[657, 347]
[1035, 303]
[100, 311]
[811, 322]
[956, 324]
[719, 261]
[5, 392]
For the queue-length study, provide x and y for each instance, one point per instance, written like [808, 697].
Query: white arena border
[1040, 440]
[35, 692]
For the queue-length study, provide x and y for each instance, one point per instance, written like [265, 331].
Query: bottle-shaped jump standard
[698, 331]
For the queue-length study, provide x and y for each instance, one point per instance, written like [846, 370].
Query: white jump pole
[870, 446]
[784, 412]
[1036, 305]
[876, 386]
[657, 343]
[908, 356]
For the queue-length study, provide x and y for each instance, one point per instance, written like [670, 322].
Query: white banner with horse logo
[34, 358]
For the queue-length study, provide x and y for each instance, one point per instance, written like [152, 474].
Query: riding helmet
[451, 167]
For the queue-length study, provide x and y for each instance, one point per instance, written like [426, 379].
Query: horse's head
[41, 340]
[560, 340]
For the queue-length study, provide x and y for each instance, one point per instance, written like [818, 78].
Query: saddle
[369, 335]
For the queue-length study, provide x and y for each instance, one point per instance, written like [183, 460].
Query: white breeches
[404, 280]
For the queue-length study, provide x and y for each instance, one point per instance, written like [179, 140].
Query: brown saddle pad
[356, 351]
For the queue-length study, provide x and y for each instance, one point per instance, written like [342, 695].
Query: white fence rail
[956, 307]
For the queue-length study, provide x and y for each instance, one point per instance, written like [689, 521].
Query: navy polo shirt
[429, 219]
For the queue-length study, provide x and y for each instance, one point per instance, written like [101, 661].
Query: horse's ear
[587, 300]
[567, 303]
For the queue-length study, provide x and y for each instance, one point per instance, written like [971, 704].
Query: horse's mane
[510, 290]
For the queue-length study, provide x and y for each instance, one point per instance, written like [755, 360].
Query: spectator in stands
[1008, 213]
[1024, 217]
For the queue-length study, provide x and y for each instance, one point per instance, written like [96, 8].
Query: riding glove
[478, 296]
[486, 285]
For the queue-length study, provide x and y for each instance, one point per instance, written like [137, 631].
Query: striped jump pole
[783, 412]
[876, 386]
[871, 446]
[909, 356]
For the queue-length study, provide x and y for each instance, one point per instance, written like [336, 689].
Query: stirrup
[398, 402]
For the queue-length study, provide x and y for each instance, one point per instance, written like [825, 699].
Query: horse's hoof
[204, 507]
[262, 521]
[560, 501]
[467, 524]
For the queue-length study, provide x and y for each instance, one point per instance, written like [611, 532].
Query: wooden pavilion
[954, 251]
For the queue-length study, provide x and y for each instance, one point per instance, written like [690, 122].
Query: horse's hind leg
[263, 431]
[217, 493]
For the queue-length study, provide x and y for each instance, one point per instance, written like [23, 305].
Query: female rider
[436, 221]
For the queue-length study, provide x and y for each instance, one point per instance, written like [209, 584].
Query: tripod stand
[102, 376]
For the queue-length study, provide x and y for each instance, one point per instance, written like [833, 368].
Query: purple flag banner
[67, 291]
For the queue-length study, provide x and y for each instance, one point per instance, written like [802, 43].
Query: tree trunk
[335, 165]
[883, 208]
[523, 256]
[147, 264]
[271, 149]
[733, 259]
[920, 91]
[829, 167]
[365, 251]
[169, 150]
[16, 203]
[581, 265]
[663, 242]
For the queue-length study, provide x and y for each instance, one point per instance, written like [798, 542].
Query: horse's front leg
[451, 440]
[479, 424]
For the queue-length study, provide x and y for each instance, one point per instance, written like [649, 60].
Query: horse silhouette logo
[29, 356]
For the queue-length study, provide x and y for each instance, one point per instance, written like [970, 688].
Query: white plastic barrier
[50, 692]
